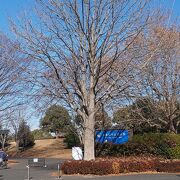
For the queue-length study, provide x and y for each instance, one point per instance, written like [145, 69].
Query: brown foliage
[110, 166]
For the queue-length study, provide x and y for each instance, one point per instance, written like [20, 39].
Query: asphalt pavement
[19, 172]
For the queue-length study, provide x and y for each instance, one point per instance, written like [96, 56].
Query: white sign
[35, 160]
[77, 153]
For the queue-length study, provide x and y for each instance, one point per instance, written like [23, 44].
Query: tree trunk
[17, 145]
[89, 153]
[3, 141]
[172, 128]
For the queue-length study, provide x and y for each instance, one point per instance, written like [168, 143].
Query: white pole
[59, 173]
[28, 175]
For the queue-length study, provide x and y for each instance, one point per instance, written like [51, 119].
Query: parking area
[18, 171]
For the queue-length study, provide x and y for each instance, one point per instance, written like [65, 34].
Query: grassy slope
[48, 148]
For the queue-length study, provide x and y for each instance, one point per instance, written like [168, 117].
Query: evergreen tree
[56, 119]
[24, 135]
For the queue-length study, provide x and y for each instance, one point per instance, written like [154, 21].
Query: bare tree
[74, 48]
[163, 76]
[10, 71]
[159, 81]
[14, 117]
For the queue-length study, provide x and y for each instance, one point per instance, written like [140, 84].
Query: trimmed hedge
[137, 166]
[170, 167]
[157, 144]
[87, 167]
[105, 167]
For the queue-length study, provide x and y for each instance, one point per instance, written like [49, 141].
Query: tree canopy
[56, 119]
[144, 116]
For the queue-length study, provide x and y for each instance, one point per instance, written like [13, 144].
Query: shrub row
[171, 167]
[157, 144]
[104, 167]
[87, 167]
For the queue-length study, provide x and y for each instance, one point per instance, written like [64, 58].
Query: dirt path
[49, 148]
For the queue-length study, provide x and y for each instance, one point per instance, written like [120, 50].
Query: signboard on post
[77, 153]
[112, 136]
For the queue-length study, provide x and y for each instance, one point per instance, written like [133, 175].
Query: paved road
[19, 172]
[129, 177]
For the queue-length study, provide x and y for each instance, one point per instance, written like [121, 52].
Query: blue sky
[13, 9]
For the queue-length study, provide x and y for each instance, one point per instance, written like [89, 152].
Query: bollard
[59, 172]
[28, 175]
